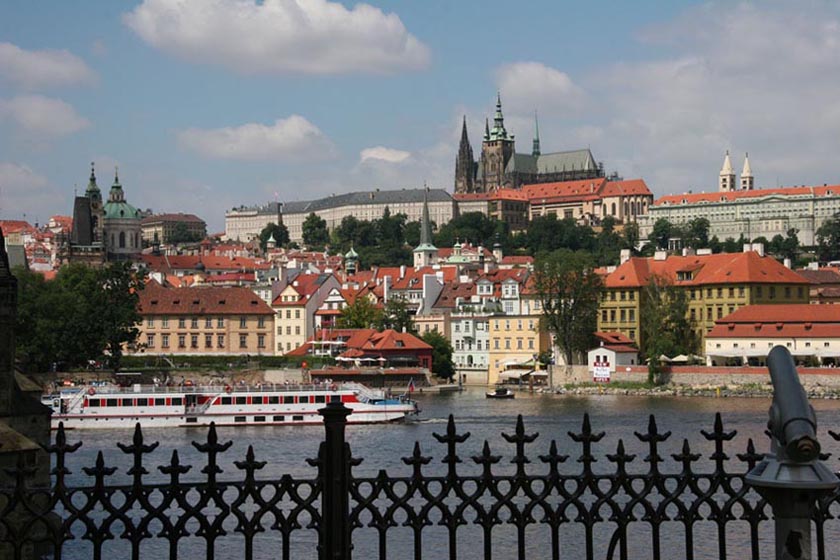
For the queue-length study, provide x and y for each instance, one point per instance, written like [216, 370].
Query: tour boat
[500, 393]
[153, 406]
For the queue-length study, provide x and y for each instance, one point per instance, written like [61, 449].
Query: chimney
[688, 252]
[402, 271]
[660, 255]
[624, 256]
[814, 265]
[758, 248]
[787, 263]
[386, 289]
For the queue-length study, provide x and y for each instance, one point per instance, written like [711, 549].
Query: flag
[411, 385]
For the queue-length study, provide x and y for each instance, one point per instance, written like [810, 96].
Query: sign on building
[601, 371]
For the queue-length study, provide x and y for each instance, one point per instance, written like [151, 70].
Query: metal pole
[335, 485]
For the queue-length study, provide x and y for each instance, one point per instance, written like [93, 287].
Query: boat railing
[220, 388]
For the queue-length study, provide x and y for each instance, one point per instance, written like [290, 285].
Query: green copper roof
[92, 186]
[116, 207]
[351, 254]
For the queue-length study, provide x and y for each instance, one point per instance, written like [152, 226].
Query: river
[381, 446]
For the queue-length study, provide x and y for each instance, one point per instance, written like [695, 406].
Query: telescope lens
[806, 449]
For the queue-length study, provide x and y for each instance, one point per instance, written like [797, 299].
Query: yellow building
[715, 285]
[517, 339]
[296, 307]
[204, 320]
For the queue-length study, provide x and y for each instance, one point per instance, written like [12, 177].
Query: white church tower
[727, 175]
[747, 179]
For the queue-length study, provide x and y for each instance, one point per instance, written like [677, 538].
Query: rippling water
[381, 446]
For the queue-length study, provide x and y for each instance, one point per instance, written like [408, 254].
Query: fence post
[335, 485]
[791, 477]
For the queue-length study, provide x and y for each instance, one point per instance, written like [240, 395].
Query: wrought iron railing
[644, 499]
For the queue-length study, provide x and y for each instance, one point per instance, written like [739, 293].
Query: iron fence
[668, 497]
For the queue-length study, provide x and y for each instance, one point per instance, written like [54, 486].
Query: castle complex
[499, 166]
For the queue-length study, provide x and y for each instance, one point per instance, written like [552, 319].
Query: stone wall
[707, 375]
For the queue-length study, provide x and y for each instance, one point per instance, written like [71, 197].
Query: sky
[209, 105]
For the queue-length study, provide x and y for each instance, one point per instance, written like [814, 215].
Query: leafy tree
[828, 240]
[609, 242]
[397, 315]
[412, 233]
[786, 246]
[182, 234]
[569, 291]
[661, 233]
[697, 233]
[715, 245]
[473, 227]
[315, 233]
[118, 315]
[730, 245]
[441, 354]
[361, 314]
[666, 326]
[280, 233]
[630, 237]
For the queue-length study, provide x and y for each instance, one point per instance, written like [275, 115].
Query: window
[261, 323]
[457, 327]
[623, 315]
[304, 399]
[741, 291]
[194, 341]
[799, 292]
[288, 400]
[297, 418]
[150, 341]
[288, 314]
[496, 343]
[150, 323]
[787, 291]
[604, 315]
[164, 341]
[278, 418]
[164, 322]
[260, 341]
[259, 418]
[220, 322]
[220, 341]
[731, 292]
[297, 329]
[182, 323]
[208, 323]
[772, 292]
[288, 330]
[530, 344]
[519, 344]
[182, 341]
[720, 292]
[507, 344]
[631, 315]
[239, 419]
[243, 322]
[297, 313]
[243, 340]
[612, 315]
[208, 341]
[194, 323]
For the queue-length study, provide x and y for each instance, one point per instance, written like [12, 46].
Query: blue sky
[207, 105]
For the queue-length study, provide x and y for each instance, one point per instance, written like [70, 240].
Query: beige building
[591, 200]
[246, 222]
[296, 307]
[516, 340]
[204, 320]
[160, 228]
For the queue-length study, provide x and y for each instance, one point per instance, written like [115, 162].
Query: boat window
[259, 418]
[93, 402]
[297, 418]
[238, 418]
[241, 400]
[160, 402]
[126, 402]
[320, 399]
[335, 398]
[256, 400]
[303, 399]
[279, 418]
[142, 402]
[192, 420]
[288, 400]
[178, 401]
[273, 400]
[227, 400]
[111, 402]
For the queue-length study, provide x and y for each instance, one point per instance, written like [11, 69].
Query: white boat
[153, 406]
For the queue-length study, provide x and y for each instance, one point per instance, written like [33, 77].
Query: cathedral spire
[747, 179]
[425, 222]
[92, 186]
[726, 182]
[498, 132]
[535, 151]
[486, 129]
[464, 163]
[116, 194]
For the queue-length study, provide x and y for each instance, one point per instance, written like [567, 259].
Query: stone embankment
[679, 390]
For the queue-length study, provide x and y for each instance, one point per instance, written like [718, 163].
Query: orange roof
[723, 268]
[564, 189]
[626, 188]
[517, 259]
[210, 262]
[15, 226]
[363, 342]
[305, 285]
[698, 198]
[779, 320]
[157, 300]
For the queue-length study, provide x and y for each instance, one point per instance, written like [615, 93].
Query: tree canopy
[361, 314]
[569, 291]
[441, 354]
[828, 240]
[280, 233]
[666, 326]
[315, 235]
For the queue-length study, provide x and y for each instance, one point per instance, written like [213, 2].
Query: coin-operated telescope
[791, 477]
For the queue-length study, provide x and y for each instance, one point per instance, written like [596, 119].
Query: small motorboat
[500, 393]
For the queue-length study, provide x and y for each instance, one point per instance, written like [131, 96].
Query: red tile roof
[362, 342]
[629, 187]
[779, 320]
[697, 198]
[15, 226]
[210, 262]
[204, 300]
[724, 268]
[517, 259]
[821, 276]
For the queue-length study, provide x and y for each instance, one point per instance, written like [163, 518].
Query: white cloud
[23, 191]
[44, 68]
[279, 36]
[42, 117]
[383, 154]
[290, 139]
[529, 86]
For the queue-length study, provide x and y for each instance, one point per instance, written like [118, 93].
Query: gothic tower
[726, 181]
[97, 211]
[747, 179]
[535, 149]
[465, 164]
[426, 253]
[496, 150]
[8, 313]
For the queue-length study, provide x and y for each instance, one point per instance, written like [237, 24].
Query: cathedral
[500, 167]
[106, 231]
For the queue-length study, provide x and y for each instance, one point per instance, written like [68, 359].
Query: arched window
[122, 240]
[613, 209]
[626, 208]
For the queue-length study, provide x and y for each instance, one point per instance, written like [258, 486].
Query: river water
[381, 446]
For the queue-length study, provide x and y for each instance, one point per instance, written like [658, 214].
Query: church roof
[366, 197]
[553, 162]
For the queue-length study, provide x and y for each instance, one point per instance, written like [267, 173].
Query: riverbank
[681, 390]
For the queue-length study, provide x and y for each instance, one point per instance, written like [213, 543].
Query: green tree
[609, 242]
[630, 237]
[665, 324]
[315, 235]
[697, 233]
[361, 314]
[569, 291]
[280, 233]
[661, 233]
[397, 315]
[119, 316]
[181, 234]
[441, 354]
[473, 227]
[828, 240]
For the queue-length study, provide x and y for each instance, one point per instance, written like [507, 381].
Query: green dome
[351, 254]
[120, 211]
